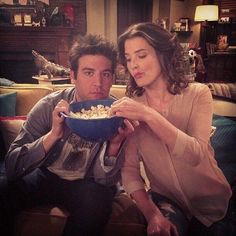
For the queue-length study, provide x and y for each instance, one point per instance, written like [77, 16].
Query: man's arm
[36, 138]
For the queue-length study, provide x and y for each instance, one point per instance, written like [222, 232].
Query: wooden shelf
[181, 32]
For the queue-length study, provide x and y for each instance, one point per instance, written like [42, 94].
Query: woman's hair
[173, 59]
[92, 45]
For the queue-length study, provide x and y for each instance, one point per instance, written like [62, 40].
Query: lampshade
[206, 13]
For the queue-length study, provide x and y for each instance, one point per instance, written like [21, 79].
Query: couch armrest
[26, 96]
[224, 107]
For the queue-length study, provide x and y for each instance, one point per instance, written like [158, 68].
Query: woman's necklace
[161, 107]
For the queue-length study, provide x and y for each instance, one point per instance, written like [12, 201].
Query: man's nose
[98, 79]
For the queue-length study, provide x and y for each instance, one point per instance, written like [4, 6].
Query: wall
[155, 10]
[186, 9]
[195, 37]
[111, 20]
[173, 10]
[95, 12]
[102, 16]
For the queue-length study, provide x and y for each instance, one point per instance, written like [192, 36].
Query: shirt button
[62, 140]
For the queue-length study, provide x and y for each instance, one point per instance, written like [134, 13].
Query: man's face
[94, 77]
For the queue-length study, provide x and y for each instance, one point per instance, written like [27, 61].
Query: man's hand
[116, 141]
[57, 119]
[57, 128]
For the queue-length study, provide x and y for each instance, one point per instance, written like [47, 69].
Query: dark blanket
[224, 144]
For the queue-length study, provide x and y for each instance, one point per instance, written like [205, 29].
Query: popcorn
[95, 112]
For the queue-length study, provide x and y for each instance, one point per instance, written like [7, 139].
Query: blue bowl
[95, 130]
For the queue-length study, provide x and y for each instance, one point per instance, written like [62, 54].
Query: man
[48, 164]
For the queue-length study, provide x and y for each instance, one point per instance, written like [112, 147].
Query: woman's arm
[134, 185]
[157, 223]
[196, 135]
[134, 110]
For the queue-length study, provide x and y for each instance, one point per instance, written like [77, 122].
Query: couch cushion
[8, 104]
[39, 222]
[10, 127]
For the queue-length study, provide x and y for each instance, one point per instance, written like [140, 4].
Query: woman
[173, 138]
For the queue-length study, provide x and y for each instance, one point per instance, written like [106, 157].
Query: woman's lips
[138, 75]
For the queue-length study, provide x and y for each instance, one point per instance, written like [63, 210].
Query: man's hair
[171, 55]
[92, 45]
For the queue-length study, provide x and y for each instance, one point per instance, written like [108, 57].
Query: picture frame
[184, 24]
[27, 20]
[18, 19]
[222, 42]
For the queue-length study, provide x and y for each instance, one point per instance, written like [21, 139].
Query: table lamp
[204, 14]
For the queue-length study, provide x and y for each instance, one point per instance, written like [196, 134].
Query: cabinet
[227, 9]
[221, 67]
[16, 60]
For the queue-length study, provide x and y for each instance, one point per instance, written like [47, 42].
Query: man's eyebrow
[93, 70]
[88, 68]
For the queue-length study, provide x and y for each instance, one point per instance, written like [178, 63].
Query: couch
[49, 220]
[126, 219]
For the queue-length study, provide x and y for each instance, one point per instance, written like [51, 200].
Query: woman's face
[142, 61]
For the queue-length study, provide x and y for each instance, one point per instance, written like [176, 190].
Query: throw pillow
[8, 104]
[6, 82]
[223, 90]
[10, 127]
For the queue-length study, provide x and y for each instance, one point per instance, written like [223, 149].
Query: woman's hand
[130, 109]
[158, 225]
[123, 132]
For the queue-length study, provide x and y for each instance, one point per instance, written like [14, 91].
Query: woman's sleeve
[131, 176]
[193, 144]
